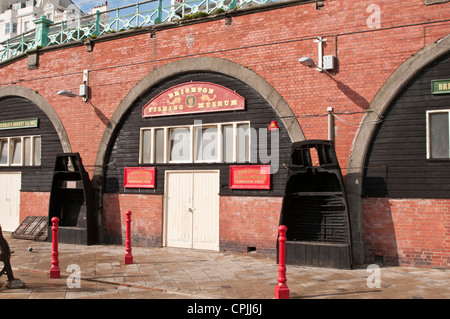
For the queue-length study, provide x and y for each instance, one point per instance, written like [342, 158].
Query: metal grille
[317, 218]
[33, 227]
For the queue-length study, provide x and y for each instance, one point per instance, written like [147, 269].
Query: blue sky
[85, 5]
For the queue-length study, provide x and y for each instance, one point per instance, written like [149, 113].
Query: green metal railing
[133, 16]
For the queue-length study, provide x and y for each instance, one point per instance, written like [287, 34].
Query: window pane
[16, 148]
[3, 151]
[27, 150]
[146, 146]
[439, 135]
[207, 142]
[227, 143]
[159, 146]
[180, 145]
[37, 151]
[243, 143]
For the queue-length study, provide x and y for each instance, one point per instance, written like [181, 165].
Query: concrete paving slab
[172, 273]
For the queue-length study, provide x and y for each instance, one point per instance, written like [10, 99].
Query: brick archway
[380, 103]
[20, 91]
[208, 64]
[170, 70]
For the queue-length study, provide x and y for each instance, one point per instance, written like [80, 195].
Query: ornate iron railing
[133, 16]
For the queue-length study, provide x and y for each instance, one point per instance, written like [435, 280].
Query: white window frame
[9, 155]
[219, 144]
[192, 157]
[168, 143]
[428, 131]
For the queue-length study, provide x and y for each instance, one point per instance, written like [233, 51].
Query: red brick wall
[256, 41]
[33, 204]
[408, 232]
[146, 218]
[249, 222]
[243, 221]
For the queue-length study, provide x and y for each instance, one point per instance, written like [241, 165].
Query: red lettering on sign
[193, 97]
[139, 177]
[250, 177]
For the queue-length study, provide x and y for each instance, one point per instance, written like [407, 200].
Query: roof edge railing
[141, 14]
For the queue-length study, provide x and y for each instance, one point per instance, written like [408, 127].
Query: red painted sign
[194, 97]
[139, 177]
[250, 177]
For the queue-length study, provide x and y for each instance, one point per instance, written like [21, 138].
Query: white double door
[192, 209]
[10, 184]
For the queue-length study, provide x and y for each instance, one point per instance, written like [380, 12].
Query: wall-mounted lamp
[67, 93]
[325, 62]
[83, 88]
[309, 63]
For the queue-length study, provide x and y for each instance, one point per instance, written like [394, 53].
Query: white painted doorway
[192, 209]
[10, 184]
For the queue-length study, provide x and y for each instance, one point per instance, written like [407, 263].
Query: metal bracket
[320, 53]
[85, 85]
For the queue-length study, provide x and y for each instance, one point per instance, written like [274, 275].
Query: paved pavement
[99, 272]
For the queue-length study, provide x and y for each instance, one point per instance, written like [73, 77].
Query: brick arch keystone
[380, 103]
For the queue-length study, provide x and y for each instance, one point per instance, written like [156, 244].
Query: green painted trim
[19, 124]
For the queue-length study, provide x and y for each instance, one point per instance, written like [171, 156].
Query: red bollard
[282, 290]
[54, 271]
[128, 255]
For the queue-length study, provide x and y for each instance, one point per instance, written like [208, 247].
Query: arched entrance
[31, 135]
[263, 105]
[205, 64]
[379, 105]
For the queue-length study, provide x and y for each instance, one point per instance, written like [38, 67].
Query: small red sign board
[193, 97]
[139, 177]
[250, 177]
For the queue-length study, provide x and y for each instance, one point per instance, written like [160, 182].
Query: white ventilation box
[83, 90]
[329, 62]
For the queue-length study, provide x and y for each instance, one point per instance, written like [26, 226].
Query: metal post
[137, 14]
[282, 290]
[159, 17]
[54, 270]
[22, 44]
[117, 19]
[330, 124]
[97, 23]
[128, 255]
[320, 53]
[42, 30]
